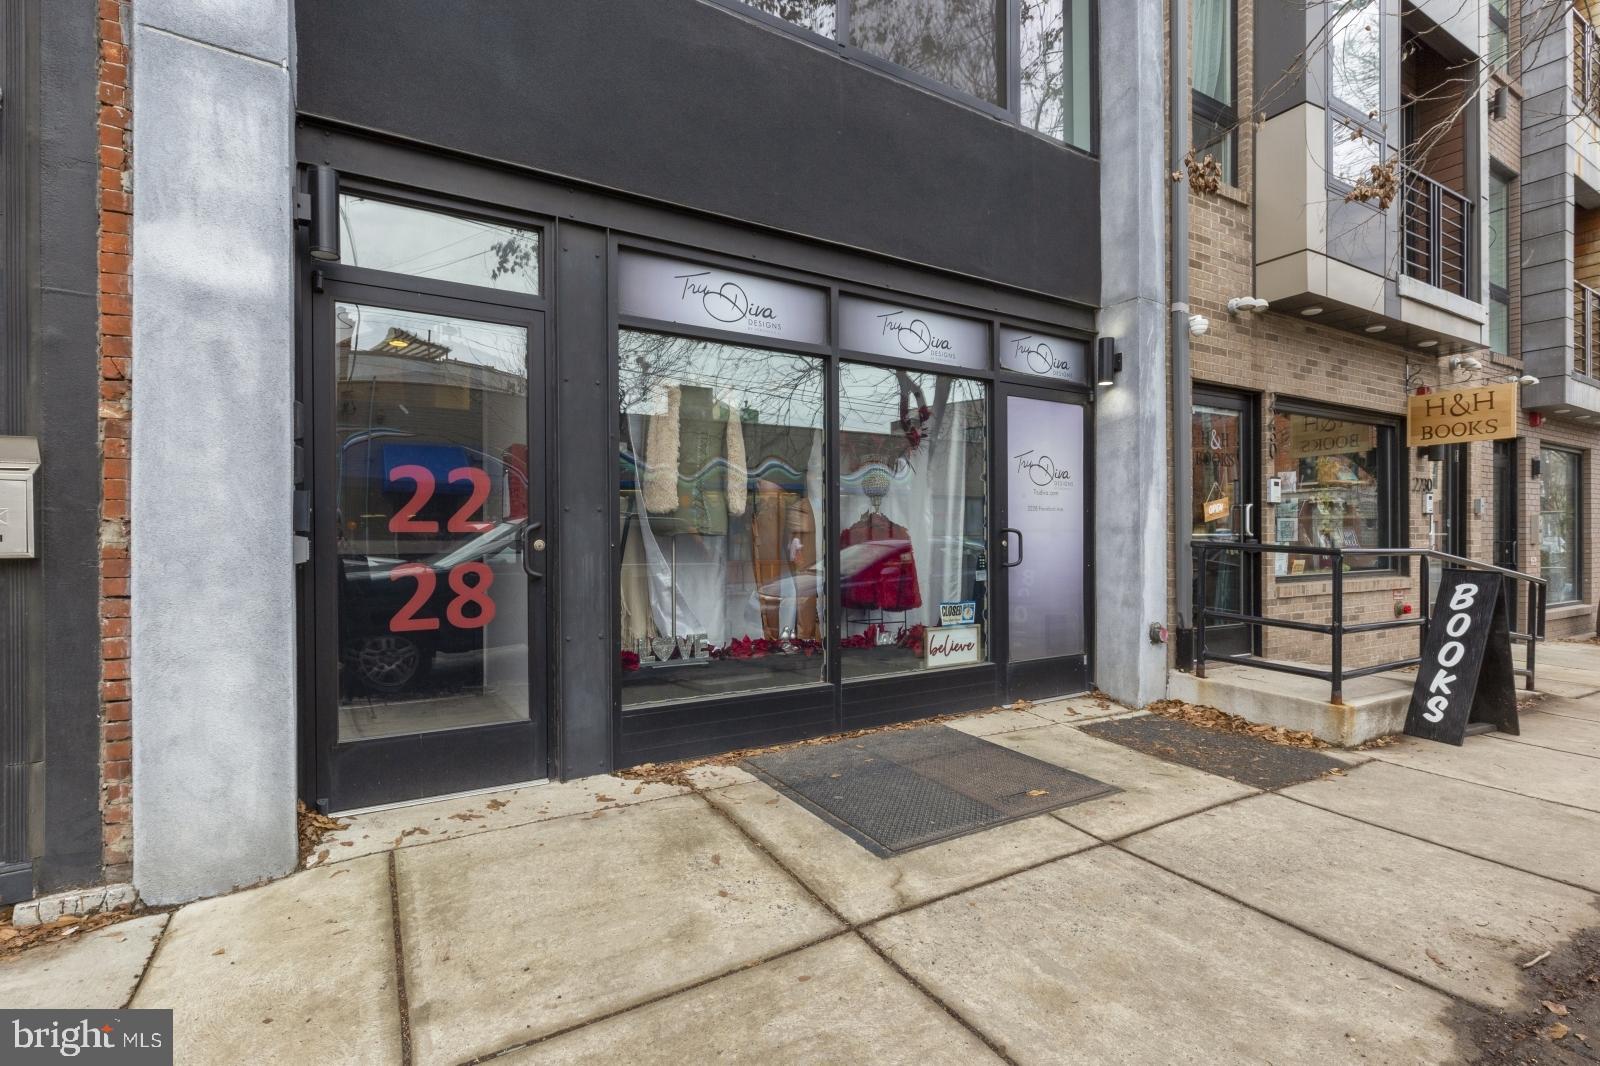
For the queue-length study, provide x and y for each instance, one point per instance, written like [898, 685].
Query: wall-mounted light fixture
[318, 210]
[1107, 363]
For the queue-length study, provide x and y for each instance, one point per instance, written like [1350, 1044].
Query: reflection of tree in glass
[1355, 58]
[815, 15]
[776, 388]
[1043, 72]
[953, 41]
[517, 254]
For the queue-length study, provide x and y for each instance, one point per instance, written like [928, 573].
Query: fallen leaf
[1038, 792]
[716, 859]
[1435, 959]
[220, 951]
[803, 978]
[8, 934]
[1558, 1009]
[722, 892]
[1557, 1031]
[495, 805]
[467, 816]
[601, 797]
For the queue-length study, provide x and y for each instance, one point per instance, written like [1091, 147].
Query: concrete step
[1372, 707]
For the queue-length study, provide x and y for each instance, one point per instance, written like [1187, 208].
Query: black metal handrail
[1336, 673]
[1435, 232]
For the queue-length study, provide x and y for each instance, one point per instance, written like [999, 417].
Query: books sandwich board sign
[1466, 672]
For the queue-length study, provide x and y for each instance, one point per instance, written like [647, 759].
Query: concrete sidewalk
[1373, 917]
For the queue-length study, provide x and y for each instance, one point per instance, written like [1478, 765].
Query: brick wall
[115, 249]
[1279, 357]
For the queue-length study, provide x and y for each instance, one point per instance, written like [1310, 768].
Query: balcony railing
[1435, 231]
[1585, 329]
[1585, 66]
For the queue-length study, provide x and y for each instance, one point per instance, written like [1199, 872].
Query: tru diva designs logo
[1042, 470]
[914, 336]
[727, 302]
[1039, 357]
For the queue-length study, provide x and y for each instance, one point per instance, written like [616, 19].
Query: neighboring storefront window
[955, 42]
[1338, 478]
[1560, 531]
[913, 497]
[381, 235]
[722, 518]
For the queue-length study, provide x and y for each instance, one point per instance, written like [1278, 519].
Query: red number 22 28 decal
[405, 519]
[475, 595]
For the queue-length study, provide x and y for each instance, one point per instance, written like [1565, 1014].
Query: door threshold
[468, 794]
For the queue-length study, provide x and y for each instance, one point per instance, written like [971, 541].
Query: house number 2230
[1452, 651]
[474, 594]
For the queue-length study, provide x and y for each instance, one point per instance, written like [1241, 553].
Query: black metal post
[1535, 603]
[1427, 609]
[1203, 551]
[1337, 670]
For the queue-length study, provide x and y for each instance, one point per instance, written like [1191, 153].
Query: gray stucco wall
[212, 592]
[1131, 416]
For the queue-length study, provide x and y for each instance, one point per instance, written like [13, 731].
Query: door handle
[530, 544]
[1248, 508]
[1004, 532]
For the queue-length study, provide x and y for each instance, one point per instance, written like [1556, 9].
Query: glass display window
[1338, 479]
[720, 483]
[914, 507]
[1560, 532]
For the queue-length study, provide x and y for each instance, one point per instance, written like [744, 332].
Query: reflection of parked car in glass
[379, 659]
[861, 567]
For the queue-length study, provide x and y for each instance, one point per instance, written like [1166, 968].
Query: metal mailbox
[19, 462]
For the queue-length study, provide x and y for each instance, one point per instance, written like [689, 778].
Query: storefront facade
[458, 518]
[525, 394]
[484, 398]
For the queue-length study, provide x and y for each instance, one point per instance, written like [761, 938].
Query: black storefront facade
[673, 389]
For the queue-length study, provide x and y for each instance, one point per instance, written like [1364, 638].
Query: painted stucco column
[1131, 416]
[213, 613]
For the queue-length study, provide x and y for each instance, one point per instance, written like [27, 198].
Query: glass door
[1042, 542]
[1224, 510]
[430, 549]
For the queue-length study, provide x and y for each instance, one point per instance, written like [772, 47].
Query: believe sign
[1485, 412]
[1466, 672]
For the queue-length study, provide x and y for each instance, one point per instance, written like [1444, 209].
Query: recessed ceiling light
[1427, 344]
[1377, 329]
[1309, 311]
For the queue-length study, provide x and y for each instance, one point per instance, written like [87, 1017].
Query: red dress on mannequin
[886, 578]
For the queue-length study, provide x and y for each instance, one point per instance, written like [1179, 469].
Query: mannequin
[695, 476]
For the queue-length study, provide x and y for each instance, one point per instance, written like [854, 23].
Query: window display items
[1333, 477]
[914, 488]
[721, 475]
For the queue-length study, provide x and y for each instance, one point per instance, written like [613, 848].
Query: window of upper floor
[1027, 60]
[1214, 51]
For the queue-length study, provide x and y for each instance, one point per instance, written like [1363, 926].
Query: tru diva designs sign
[879, 328]
[1027, 352]
[1486, 412]
[672, 290]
